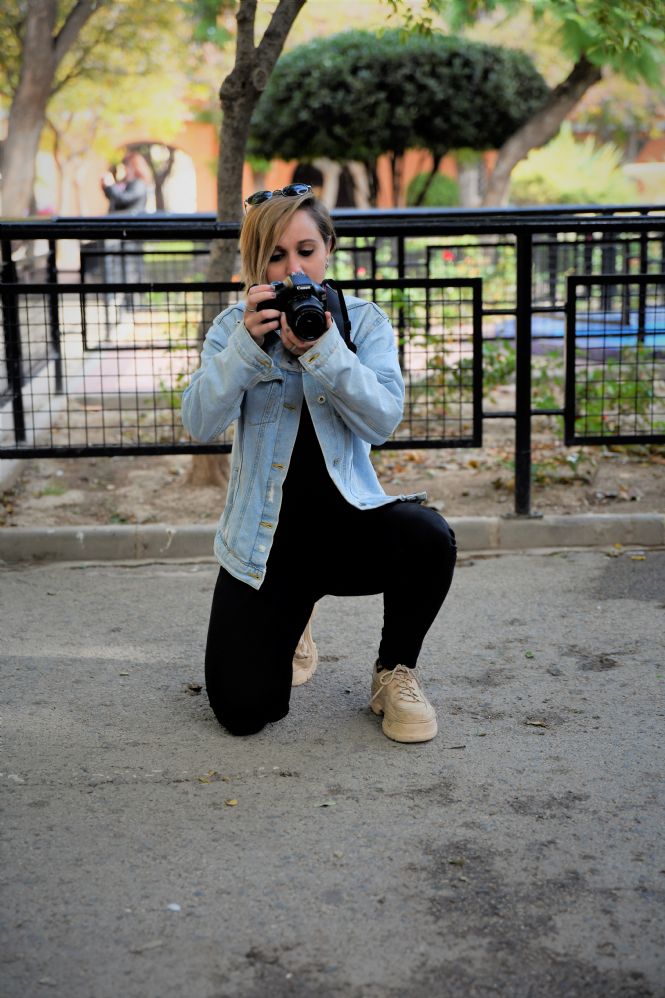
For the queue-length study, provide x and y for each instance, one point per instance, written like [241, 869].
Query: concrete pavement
[519, 853]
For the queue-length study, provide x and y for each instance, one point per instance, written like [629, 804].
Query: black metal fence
[102, 321]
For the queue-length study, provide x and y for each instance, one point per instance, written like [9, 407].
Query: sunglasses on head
[290, 191]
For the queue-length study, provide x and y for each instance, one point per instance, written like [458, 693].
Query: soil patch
[459, 482]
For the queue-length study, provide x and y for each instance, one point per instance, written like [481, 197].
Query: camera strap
[338, 310]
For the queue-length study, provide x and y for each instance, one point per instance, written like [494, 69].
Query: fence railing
[101, 329]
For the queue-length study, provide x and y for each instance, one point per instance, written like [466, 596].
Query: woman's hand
[291, 342]
[257, 323]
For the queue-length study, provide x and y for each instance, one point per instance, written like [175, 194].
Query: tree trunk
[372, 181]
[360, 183]
[542, 127]
[41, 56]
[330, 171]
[430, 179]
[239, 95]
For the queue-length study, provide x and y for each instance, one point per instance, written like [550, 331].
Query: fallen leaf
[326, 803]
[638, 557]
[155, 944]
[537, 724]
[458, 861]
[528, 654]
[232, 802]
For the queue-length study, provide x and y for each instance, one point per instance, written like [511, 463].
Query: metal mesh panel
[438, 328]
[119, 261]
[115, 365]
[615, 359]
[102, 370]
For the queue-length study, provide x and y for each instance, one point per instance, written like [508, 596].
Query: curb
[481, 533]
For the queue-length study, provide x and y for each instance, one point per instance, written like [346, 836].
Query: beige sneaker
[306, 657]
[408, 716]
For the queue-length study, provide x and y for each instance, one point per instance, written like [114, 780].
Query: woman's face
[301, 247]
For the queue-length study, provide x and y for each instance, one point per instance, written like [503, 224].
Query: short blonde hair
[264, 224]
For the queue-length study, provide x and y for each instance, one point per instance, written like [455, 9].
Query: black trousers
[403, 550]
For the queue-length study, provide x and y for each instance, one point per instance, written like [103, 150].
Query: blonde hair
[264, 224]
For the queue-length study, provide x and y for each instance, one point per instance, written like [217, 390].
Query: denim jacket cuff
[322, 351]
[248, 349]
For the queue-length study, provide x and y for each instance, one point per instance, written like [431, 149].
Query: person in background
[128, 194]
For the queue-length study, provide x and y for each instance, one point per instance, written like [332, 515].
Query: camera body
[304, 302]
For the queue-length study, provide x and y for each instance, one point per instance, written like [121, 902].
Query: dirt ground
[459, 482]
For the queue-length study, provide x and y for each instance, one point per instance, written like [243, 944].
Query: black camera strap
[338, 310]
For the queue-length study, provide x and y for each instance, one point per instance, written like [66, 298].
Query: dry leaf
[537, 724]
[232, 802]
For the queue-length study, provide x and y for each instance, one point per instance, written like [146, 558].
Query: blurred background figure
[127, 192]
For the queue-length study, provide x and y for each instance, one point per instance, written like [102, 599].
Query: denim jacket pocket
[261, 402]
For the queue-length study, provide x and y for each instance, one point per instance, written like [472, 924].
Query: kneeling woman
[305, 514]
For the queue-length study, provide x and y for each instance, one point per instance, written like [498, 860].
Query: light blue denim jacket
[355, 400]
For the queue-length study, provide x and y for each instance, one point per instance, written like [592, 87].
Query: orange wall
[199, 141]
[653, 151]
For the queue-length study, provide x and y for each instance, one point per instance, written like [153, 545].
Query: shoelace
[408, 688]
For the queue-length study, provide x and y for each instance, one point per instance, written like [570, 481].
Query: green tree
[48, 46]
[627, 37]
[356, 96]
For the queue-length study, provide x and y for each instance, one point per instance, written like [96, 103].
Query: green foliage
[442, 192]
[627, 36]
[357, 95]
[206, 14]
[121, 39]
[567, 171]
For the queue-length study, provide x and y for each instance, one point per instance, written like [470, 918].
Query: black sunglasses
[290, 191]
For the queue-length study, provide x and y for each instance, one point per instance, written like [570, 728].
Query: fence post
[401, 324]
[12, 335]
[54, 316]
[524, 268]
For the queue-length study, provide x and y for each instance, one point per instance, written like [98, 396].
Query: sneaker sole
[423, 731]
[301, 676]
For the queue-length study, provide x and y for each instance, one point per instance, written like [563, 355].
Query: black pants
[403, 550]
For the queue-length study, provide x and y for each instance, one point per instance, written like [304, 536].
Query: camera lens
[307, 319]
[309, 323]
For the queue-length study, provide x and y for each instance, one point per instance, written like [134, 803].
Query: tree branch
[74, 22]
[281, 22]
[541, 127]
[245, 18]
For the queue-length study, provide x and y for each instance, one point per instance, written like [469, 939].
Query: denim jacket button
[320, 399]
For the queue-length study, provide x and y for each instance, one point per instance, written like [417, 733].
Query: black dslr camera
[304, 303]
